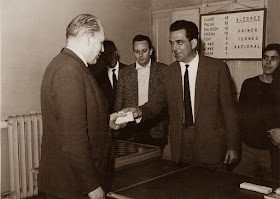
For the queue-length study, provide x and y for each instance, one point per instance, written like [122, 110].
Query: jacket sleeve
[229, 108]
[157, 103]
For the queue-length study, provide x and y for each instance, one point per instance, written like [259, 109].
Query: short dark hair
[142, 38]
[273, 46]
[109, 49]
[190, 28]
[109, 44]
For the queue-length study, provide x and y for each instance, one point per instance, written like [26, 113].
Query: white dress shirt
[110, 72]
[143, 82]
[192, 70]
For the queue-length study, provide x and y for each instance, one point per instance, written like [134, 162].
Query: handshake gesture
[120, 119]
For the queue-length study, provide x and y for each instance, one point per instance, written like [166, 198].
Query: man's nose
[174, 47]
[268, 60]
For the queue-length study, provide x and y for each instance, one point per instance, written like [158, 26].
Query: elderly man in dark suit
[136, 84]
[204, 127]
[108, 77]
[75, 159]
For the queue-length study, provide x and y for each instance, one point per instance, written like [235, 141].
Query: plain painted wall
[33, 32]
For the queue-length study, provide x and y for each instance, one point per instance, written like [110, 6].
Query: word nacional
[248, 46]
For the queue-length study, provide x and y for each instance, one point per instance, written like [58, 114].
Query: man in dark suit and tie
[204, 127]
[107, 79]
[136, 84]
[75, 151]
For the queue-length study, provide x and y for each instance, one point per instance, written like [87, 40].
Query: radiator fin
[25, 137]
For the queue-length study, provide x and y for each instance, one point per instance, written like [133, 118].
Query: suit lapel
[200, 82]
[134, 85]
[176, 78]
[153, 70]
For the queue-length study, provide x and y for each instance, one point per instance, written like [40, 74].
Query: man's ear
[151, 51]
[194, 43]
[90, 39]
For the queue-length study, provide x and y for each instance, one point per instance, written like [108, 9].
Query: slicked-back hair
[190, 28]
[273, 46]
[145, 38]
[142, 38]
[83, 24]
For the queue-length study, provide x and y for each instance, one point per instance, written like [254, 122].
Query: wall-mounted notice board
[233, 35]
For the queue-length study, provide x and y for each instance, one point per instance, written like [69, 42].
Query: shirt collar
[193, 62]
[79, 55]
[138, 66]
[117, 67]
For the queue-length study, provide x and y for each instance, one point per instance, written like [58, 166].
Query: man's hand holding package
[113, 119]
[137, 112]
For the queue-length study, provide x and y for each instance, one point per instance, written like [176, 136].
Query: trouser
[275, 156]
[187, 145]
[254, 162]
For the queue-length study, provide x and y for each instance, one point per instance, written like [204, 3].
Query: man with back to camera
[75, 158]
[108, 77]
[255, 112]
[136, 84]
[204, 128]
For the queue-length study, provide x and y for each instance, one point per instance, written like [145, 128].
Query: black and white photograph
[140, 99]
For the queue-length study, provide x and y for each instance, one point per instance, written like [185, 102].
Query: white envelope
[127, 118]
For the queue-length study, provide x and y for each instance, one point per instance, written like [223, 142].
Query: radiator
[25, 137]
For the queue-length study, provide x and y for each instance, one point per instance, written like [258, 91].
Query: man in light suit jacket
[75, 158]
[105, 78]
[210, 137]
[136, 84]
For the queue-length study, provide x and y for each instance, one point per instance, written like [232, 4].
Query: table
[163, 179]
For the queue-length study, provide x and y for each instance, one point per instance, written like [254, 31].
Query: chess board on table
[129, 153]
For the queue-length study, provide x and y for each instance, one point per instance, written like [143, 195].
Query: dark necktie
[187, 100]
[114, 79]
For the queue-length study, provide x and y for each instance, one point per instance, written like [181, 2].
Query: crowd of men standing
[191, 99]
